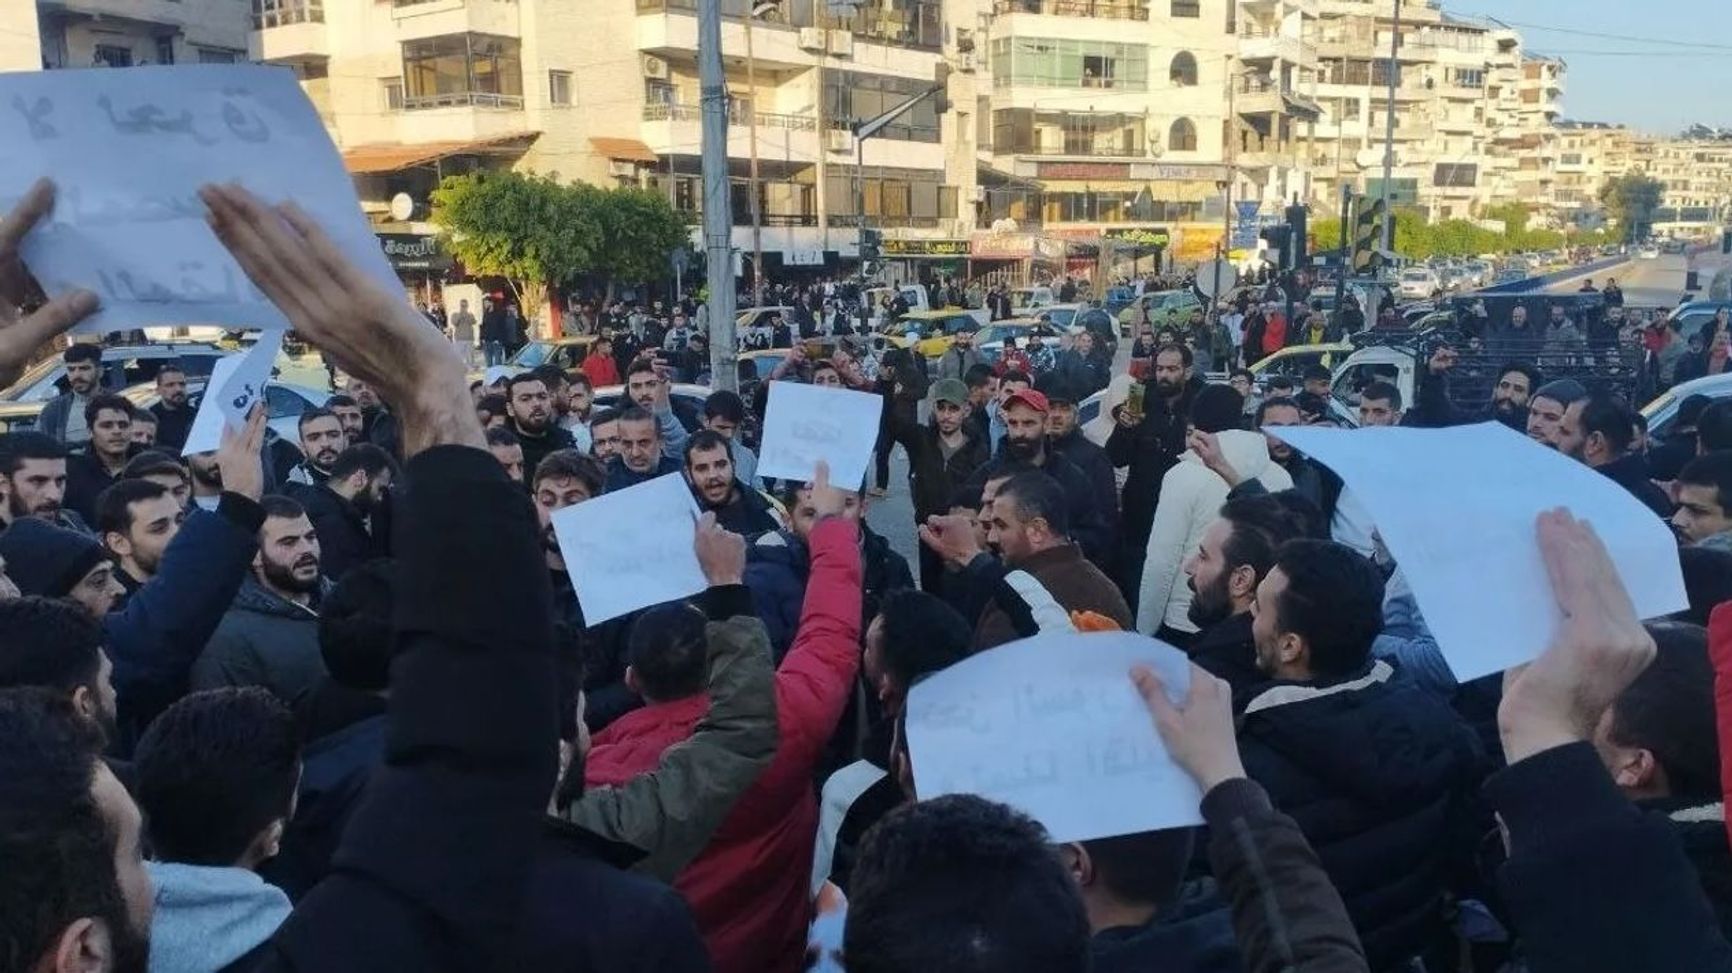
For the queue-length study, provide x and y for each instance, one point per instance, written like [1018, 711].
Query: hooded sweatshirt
[1191, 497]
[206, 917]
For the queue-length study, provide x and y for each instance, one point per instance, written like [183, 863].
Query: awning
[392, 156]
[628, 150]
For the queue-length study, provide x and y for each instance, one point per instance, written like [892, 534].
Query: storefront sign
[925, 248]
[1180, 172]
[803, 258]
[1084, 170]
[413, 251]
[1137, 235]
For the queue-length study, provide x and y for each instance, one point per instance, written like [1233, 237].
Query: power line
[1668, 42]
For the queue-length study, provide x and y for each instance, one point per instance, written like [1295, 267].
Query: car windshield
[533, 354]
[1061, 316]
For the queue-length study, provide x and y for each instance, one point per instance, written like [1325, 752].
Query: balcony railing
[462, 99]
[283, 13]
[665, 112]
[1102, 9]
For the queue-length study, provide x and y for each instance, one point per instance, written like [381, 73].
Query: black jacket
[1088, 526]
[469, 749]
[1093, 461]
[1194, 934]
[172, 425]
[1700, 827]
[1630, 471]
[585, 913]
[335, 768]
[85, 480]
[747, 514]
[345, 539]
[1593, 884]
[620, 476]
[1227, 650]
[1150, 449]
[932, 479]
[1376, 773]
[536, 448]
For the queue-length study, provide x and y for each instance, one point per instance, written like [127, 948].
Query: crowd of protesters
[333, 704]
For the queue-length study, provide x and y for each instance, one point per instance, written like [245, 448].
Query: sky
[1655, 87]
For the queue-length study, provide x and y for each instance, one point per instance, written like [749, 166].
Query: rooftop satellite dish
[402, 207]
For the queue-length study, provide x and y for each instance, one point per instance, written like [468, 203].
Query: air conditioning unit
[812, 39]
[841, 43]
[977, 194]
[623, 170]
[965, 61]
[841, 141]
[655, 68]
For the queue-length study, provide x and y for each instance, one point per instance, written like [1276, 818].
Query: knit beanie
[1563, 391]
[1218, 408]
[46, 560]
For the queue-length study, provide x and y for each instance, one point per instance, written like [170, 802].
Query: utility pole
[1389, 132]
[1232, 131]
[718, 208]
[752, 141]
[1346, 258]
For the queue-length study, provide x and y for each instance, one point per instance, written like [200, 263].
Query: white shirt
[1352, 525]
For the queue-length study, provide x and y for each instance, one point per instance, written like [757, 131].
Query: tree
[639, 229]
[526, 228]
[1632, 200]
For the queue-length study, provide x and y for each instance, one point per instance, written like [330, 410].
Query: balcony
[1262, 96]
[1095, 9]
[288, 32]
[1259, 43]
[417, 19]
[453, 116]
[675, 129]
[670, 26]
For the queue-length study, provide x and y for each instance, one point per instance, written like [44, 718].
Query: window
[854, 96]
[1183, 136]
[214, 55]
[559, 87]
[1184, 70]
[1052, 63]
[165, 50]
[391, 90]
[112, 56]
[462, 69]
[1187, 8]
[1455, 175]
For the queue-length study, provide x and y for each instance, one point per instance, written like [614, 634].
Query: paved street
[1658, 282]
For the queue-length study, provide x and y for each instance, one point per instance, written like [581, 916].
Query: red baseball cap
[1029, 397]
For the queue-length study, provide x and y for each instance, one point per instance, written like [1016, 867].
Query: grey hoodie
[206, 918]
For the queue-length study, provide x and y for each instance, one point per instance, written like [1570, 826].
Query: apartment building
[123, 33]
[607, 91]
[1698, 177]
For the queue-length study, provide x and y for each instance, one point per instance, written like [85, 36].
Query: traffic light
[1297, 216]
[1280, 240]
[871, 248]
[1367, 234]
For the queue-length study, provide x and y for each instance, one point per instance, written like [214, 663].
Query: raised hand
[21, 334]
[1199, 732]
[240, 456]
[951, 537]
[721, 553]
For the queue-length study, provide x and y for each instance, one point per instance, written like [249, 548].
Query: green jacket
[671, 812]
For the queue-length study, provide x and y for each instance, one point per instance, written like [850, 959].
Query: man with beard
[163, 470]
[270, 635]
[322, 441]
[604, 435]
[941, 456]
[530, 408]
[1024, 412]
[1597, 431]
[579, 405]
[344, 510]
[710, 472]
[564, 479]
[724, 415]
[1432, 407]
[1235, 555]
[143, 428]
[1337, 734]
[641, 455]
[173, 414]
[1030, 533]
[207, 480]
[1319, 487]
[348, 412]
[961, 356]
[1546, 408]
[646, 384]
[33, 470]
[136, 520]
[1064, 436]
[109, 420]
[1150, 443]
[63, 417]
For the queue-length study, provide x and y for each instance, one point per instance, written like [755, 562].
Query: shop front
[925, 260]
[1017, 259]
[421, 264]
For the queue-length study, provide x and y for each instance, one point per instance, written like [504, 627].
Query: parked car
[990, 341]
[123, 366]
[1662, 412]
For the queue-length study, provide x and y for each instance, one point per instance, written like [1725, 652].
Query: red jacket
[1720, 650]
[601, 369]
[748, 890]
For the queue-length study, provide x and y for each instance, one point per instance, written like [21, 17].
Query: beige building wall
[20, 43]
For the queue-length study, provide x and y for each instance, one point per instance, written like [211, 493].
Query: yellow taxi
[937, 329]
[1293, 360]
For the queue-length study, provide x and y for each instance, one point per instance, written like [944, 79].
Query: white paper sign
[236, 382]
[631, 549]
[807, 423]
[1457, 509]
[129, 148]
[1052, 726]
